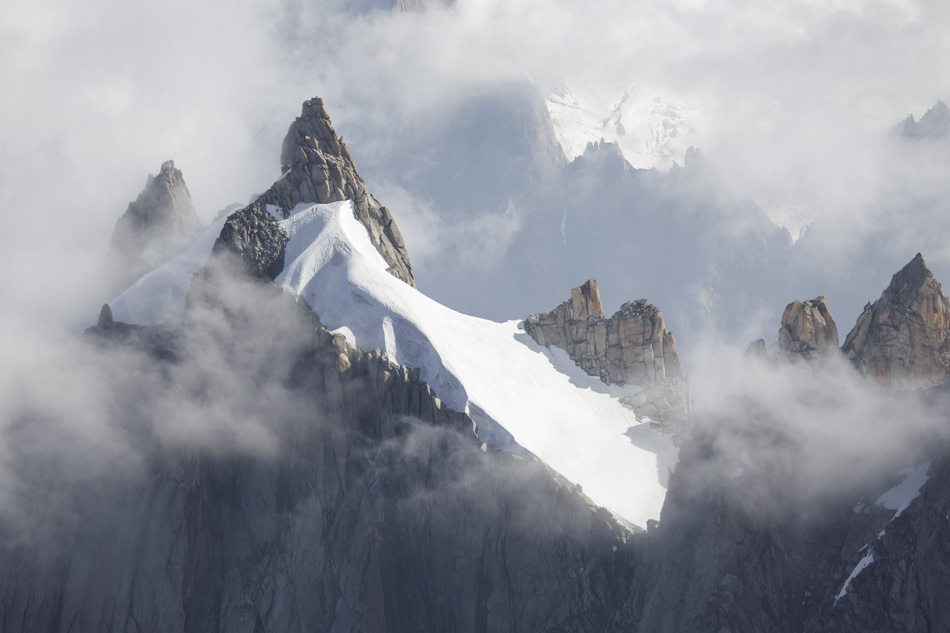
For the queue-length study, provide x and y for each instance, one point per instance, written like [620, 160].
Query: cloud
[795, 97]
[803, 439]
[792, 96]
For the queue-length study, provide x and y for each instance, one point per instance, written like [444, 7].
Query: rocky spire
[632, 347]
[153, 226]
[903, 338]
[935, 124]
[318, 168]
[808, 331]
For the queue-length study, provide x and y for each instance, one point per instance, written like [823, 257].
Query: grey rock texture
[749, 553]
[254, 236]
[904, 589]
[153, 227]
[903, 338]
[632, 347]
[935, 124]
[374, 507]
[808, 331]
[317, 168]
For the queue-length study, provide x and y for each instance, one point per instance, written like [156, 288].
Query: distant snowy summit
[651, 130]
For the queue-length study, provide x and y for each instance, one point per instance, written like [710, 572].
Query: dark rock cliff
[363, 505]
[280, 480]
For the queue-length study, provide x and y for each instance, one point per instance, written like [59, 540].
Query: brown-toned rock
[318, 168]
[903, 338]
[632, 347]
[808, 331]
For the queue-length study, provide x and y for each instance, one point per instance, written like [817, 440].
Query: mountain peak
[935, 124]
[808, 331]
[910, 278]
[310, 135]
[318, 168]
[153, 225]
[903, 338]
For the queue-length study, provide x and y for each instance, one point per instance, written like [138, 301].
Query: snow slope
[160, 294]
[522, 395]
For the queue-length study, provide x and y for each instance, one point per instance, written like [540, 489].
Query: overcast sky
[790, 97]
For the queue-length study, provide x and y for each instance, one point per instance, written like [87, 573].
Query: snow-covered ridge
[520, 394]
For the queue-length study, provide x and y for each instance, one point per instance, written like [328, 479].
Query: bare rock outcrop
[318, 168]
[153, 226]
[903, 338]
[934, 125]
[633, 347]
[808, 331]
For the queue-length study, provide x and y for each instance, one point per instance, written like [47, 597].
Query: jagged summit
[903, 338]
[318, 168]
[935, 124]
[808, 330]
[323, 256]
[909, 279]
[153, 226]
[633, 347]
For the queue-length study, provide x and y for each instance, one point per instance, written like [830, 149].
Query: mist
[794, 105]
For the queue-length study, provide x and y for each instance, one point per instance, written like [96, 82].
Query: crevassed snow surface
[521, 395]
[903, 494]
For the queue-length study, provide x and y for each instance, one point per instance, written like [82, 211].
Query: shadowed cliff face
[286, 481]
[244, 469]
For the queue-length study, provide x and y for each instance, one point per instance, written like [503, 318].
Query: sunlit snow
[160, 294]
[523, 397]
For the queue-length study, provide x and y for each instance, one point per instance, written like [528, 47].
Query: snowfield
[903, 494]
[523, 397]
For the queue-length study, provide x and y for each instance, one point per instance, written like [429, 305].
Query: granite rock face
[153, 226]
[744, 552]
[808, 331]
[903, 338]
[318, 168]
[633, 347]
[253, 235]
[359, 514]
[894, 571]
